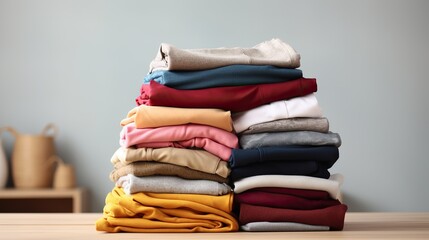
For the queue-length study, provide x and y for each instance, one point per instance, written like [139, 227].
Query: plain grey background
[79, 64]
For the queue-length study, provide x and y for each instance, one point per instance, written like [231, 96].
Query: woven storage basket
[31, 163]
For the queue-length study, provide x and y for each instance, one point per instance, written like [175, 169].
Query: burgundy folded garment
[237, 98]
[279, 200]
[302, 193]
[333, 217]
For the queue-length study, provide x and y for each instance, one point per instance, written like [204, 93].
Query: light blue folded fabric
[232, 75]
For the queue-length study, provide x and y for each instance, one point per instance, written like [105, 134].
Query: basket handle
[12, 130]
[48, 127]
[55, 159]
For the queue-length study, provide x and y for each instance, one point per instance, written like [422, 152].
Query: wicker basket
[32, 166]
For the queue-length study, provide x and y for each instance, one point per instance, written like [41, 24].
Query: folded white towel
[331, 185]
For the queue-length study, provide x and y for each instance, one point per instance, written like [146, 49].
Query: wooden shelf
[42, 200]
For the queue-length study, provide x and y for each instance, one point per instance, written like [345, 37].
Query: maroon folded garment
[236, 98]
[302, 193]
[285, 201]
[330, 216]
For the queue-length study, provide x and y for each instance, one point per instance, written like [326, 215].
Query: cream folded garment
[274, 52]
[331, 185]
[170, 184]
[306, 106]
[155, 116]
[191, 158]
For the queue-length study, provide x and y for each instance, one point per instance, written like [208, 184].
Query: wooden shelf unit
[42, 200]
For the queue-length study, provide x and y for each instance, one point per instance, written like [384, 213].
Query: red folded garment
[279, 200]
[330, 216]
[302, 193]
[236, 99]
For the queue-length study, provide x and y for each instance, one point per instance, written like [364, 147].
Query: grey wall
[80, 64]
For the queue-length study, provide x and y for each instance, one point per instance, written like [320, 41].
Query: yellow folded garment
[163, 212]
[156, 116]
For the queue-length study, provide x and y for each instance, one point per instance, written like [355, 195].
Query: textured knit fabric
[281, 227]
[326, 155]
[233, 75]
[330, 216]
[160, 212]
[141, 169]
[170, 184]
[289, 138]
[214, 140]
[236, 98]
[303, 168]
[290, 124]
[273, 52]
[301, 193]
[331, 185]
[191, 158]
[278, 200]
[306, 106]
[154, 116]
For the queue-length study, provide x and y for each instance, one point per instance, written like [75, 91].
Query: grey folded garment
[290, 124]
[169, 184]
[289, 138]
[274, 52]
[281, 227]
[141, 169]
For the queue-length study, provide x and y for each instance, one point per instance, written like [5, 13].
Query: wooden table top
[81, 226]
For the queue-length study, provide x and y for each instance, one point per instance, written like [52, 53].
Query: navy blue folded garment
[232, 75]
[325, 155]
[303, 168]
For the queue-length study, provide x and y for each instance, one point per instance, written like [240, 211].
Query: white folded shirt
[306, 106]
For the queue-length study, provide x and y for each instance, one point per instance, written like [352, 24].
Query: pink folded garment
[214, 140]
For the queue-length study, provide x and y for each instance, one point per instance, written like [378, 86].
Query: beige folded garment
[191, 158]
[141, 169]
[274, 52]
[156, 116]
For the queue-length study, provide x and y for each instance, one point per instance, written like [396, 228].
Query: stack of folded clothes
[179, 156]
[280, 176]
[171, 172]
[280, 173]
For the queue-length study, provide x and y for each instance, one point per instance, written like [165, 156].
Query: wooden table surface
[81, 226]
